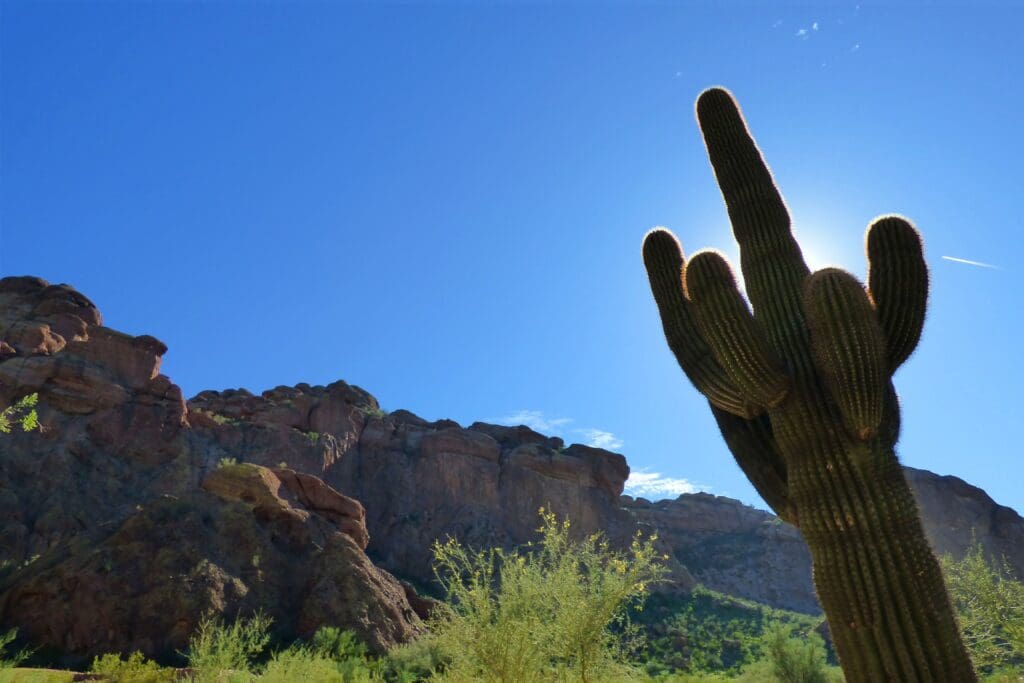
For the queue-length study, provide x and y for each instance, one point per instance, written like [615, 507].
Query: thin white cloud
[558, 426]
[802, 33]
[598, 438]
[534, 419]
[653, 485]
[778, 23]
[856, 46]
[971, 263]
[814, 26]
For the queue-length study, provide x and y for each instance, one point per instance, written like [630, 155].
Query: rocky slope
[739, 550]
[135, 512]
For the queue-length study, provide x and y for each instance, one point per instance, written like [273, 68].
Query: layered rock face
[734, 548]
[425, 481]
[119, 529]
[739, 550]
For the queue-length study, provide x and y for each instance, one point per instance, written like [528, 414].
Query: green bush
[412, 662]
[218, 652]
[990, 605]
[556, 611]
[136, 669]
[346, 652]
[795, 660]
[21, 414]
[13, 659]
[300, 663]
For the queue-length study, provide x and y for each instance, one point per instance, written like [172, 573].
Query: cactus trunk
[875, 574]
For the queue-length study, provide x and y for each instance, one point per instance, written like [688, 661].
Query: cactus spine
[801, 390]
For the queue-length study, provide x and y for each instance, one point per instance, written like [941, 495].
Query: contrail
[972, 263]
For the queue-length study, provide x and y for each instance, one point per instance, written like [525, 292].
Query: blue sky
[444, 203]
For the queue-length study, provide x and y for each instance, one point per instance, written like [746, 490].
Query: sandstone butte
[135, 511]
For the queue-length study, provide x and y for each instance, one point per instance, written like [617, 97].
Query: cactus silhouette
[801, 390]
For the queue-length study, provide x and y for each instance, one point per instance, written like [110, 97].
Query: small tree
[795, 660]
[552, 611]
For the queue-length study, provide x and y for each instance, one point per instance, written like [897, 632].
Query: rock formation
[119, 526]
[483, 485]
[134, 513]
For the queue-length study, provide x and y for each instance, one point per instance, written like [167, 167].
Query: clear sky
[444, 203]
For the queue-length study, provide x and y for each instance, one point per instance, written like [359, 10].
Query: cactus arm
[773, 265]
[898, 283]
[848, 348]
[755, 451]
[725, 323]
[890, 431]
[664, 260]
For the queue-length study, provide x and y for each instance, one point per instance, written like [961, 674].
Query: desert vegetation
[563, 609]
[21, 414]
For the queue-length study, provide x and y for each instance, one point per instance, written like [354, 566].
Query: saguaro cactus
[801, 390]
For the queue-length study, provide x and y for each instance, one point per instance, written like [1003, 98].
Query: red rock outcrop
[483, 485]
[118, 529]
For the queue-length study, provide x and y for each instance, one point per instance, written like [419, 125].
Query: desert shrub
[348, 654]
[10, 659]
[337, 644]
[412, 662]
[990, 605]
[136, 669]
[217, 650]
[790, 659]
[372, 411]
[300, 663]
[556, 611]
[21, 414]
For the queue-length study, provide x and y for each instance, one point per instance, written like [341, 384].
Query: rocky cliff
[120, 527]
[424, 481]
[135, 512]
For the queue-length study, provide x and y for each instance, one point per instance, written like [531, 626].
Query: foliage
[299, 663]
[706, 631]
[217, 417]
[372, 411]
[216, 647]
[557, 611]
[13, 659]
[795, 660]
[226, 462]
[136, 669]
[21, 414]
[990, 603]
[415, 661]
